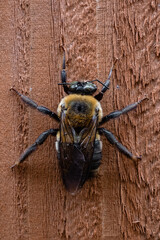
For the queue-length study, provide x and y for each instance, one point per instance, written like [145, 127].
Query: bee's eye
[90, 87]
[73, 86]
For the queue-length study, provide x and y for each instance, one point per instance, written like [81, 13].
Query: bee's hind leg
[111, 138]
[40, 140]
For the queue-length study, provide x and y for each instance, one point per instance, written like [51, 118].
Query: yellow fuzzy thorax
[83, 117]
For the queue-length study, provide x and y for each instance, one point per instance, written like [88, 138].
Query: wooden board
[123, 201]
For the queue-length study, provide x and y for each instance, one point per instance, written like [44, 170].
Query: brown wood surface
[123, 201]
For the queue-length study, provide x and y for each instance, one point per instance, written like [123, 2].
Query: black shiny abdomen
[96, 158]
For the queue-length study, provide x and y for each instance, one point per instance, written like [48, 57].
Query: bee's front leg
[64, 75]
[99, 96]
[118, 113]
[33, 104]
[40, 140]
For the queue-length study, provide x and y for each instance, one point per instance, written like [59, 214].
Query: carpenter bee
[78, 143]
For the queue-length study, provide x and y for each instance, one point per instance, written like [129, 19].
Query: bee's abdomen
[97, 156]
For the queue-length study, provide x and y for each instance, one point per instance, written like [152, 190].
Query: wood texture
[123, 201]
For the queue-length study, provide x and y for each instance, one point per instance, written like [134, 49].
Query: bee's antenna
[64, 83]
[64, 61]
[96, 80]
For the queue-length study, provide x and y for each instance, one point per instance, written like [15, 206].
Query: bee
[80, 117]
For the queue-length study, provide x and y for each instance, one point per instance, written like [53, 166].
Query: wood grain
[123, 201]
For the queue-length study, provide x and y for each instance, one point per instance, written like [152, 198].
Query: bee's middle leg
[112, 139]
[40, 140]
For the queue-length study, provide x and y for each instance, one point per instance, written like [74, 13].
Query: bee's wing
[75, 156]
[87, 147]
[71, 158]
[72, 163]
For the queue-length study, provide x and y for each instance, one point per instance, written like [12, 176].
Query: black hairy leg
[64, 76]
[112, 139]
[99, 96]
[40, 140]
[118, 113]
[33, 104]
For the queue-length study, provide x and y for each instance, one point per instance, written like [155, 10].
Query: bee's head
[83, 88]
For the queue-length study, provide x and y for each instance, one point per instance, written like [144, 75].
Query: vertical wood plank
[137, 74]
[7, 183]
[79, 32]
[111, 213]
[122, 202]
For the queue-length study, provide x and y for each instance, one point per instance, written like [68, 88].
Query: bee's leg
[111, 138]
[64, 76]
[118, 113]
[40, 140]
[32, 104]
[99, 96]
